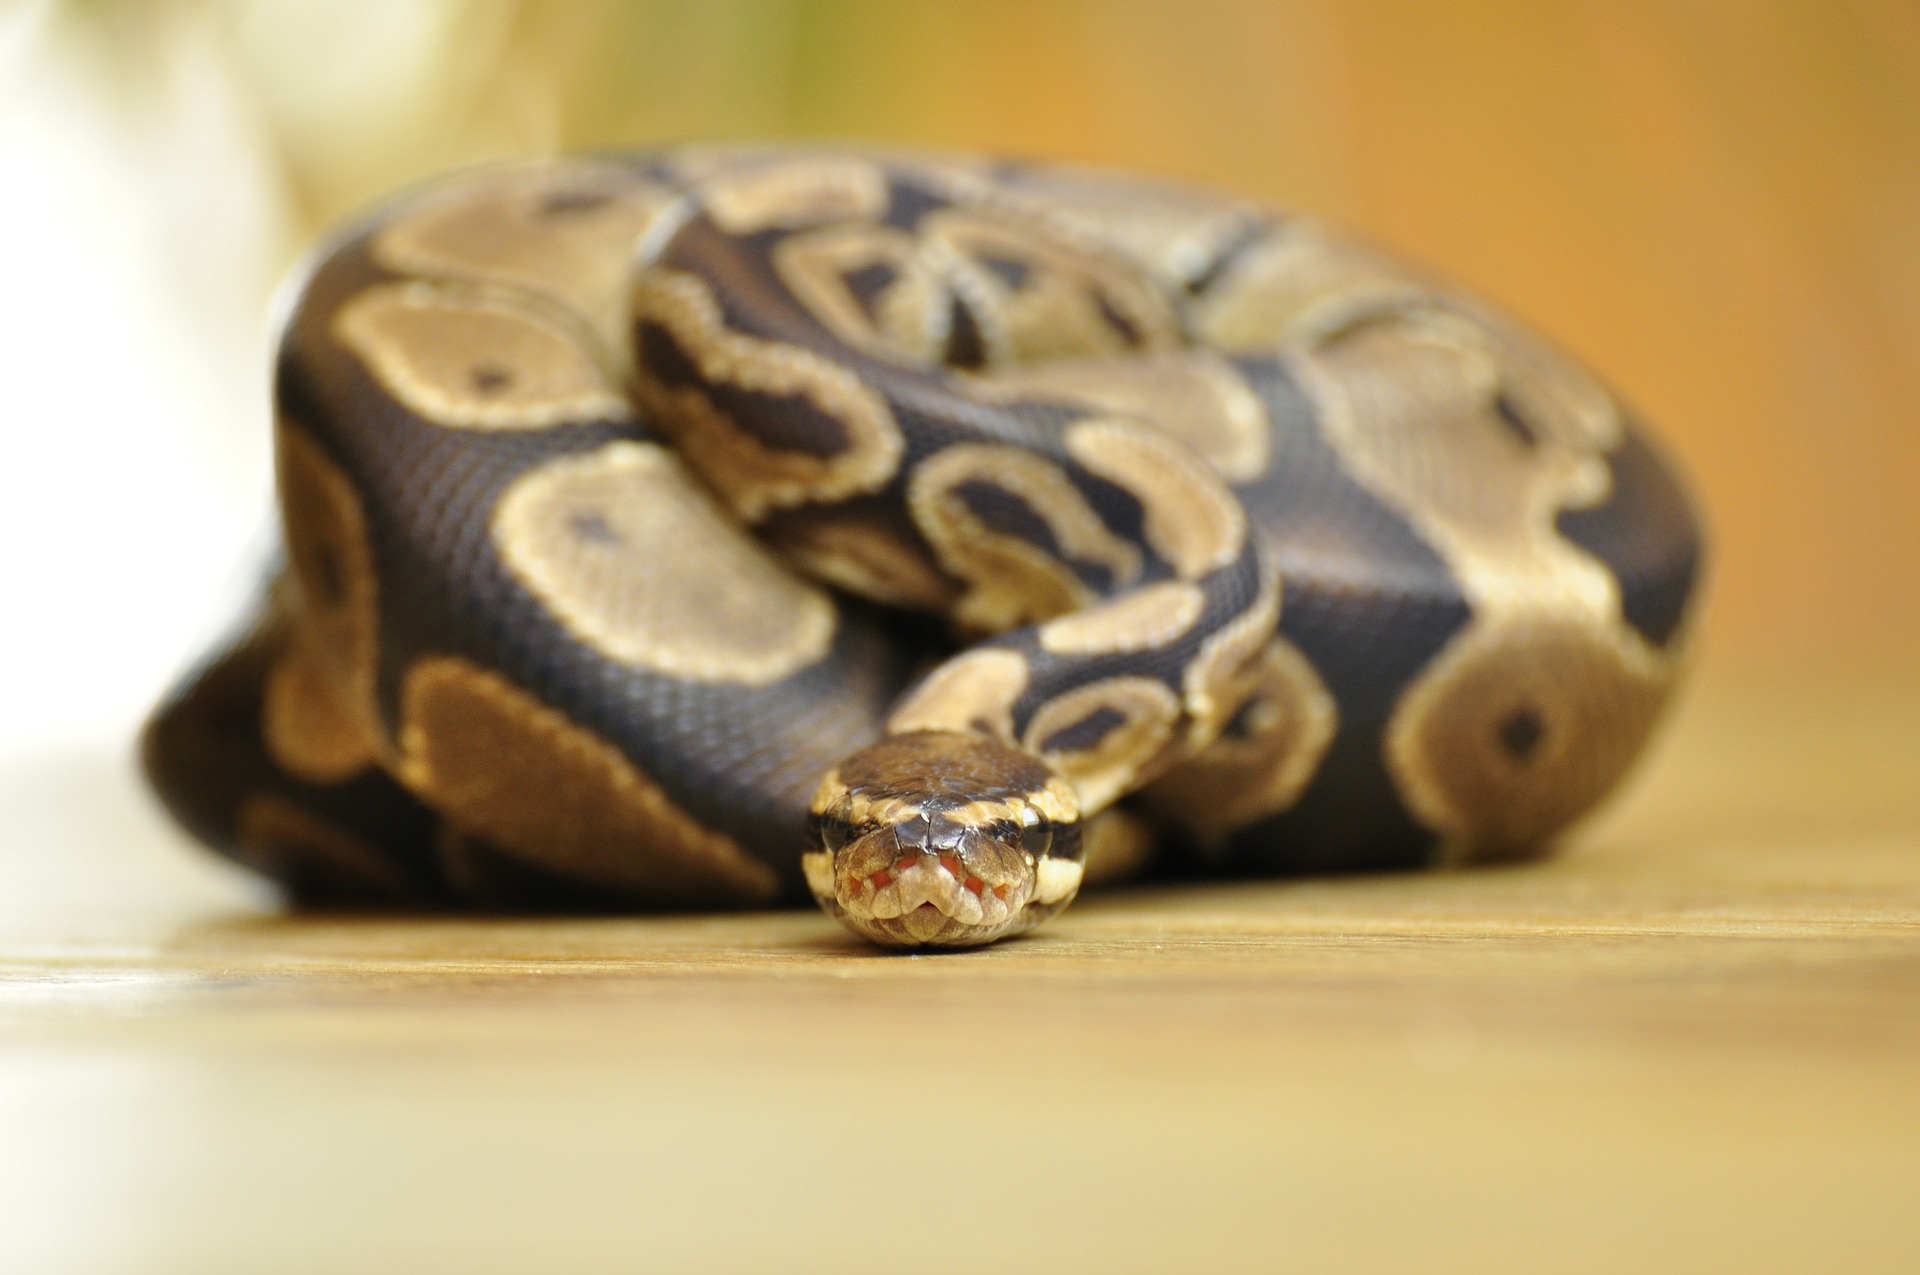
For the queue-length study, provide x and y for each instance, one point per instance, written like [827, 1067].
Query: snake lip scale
[610, 485]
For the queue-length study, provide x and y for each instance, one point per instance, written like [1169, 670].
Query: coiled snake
[718, 527]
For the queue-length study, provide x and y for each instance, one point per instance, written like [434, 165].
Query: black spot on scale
[1520, 733]
[966, 347]
[563, 203]
[593, 528]
[491, 378]
[867, 284]
[784, 422]
[1086, 733]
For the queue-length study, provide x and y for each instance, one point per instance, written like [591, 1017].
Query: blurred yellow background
[1716, 204]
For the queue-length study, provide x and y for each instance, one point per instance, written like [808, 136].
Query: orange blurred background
[1716, 204]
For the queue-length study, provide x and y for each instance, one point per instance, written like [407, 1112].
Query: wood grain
[1689, 1043]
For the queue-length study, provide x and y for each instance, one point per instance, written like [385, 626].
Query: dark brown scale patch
[868, 284]
[784, 422]
[1520, 734]
[1085, 733]
[663, 357]
[966, 346]
[791, 423]
[1005, 512]
[972, 766]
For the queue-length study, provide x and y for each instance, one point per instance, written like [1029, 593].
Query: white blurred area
[163, 162]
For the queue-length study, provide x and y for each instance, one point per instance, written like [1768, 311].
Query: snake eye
[836, 825]
[1036, 834]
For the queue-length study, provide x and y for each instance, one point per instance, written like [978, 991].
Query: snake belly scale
[720, 527]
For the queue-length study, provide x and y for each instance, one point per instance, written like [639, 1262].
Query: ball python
[922, 534]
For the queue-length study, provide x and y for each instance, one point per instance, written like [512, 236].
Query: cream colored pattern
[1300, 282]
[551, 227]
[1057, 312]
[470, 358]
[507, 768]
[1010, 580]
[1216, 681]
[912, 313]
[1193, 522]
[635, 560]
[973, 691]
[1174, 231]
[752, 476]
[794, 193]
[1144, 619]
[1125, 755]
[866, 556]
[1290, 718]
[1594, 694]
[306, 733]
[1415, 401]
[1192, 396]
[336, 595]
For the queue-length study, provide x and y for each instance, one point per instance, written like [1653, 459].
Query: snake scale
[924, 534]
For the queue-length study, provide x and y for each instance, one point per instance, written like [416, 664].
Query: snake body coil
[618, 492]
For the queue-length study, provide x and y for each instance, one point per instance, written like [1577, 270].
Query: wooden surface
[1692, 1042]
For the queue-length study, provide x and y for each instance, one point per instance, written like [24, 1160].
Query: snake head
[940, 839]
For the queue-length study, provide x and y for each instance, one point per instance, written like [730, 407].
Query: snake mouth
[918, 898]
